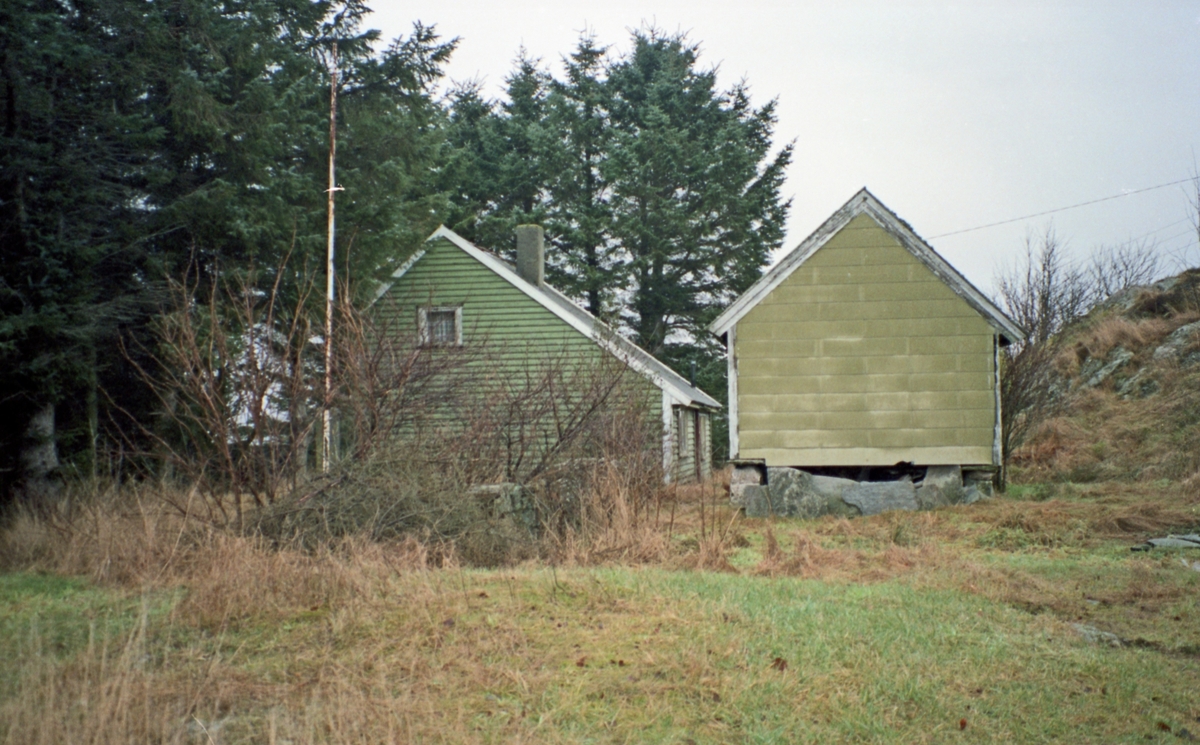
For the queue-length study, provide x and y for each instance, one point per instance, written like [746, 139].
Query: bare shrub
[1047, 296]
[233, 384]
[237, 374]
[1116, 268]
[1043, 292]
[554, 454]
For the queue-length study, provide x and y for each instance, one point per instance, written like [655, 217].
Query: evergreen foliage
[143, 142]
[659, 191]
[143, 139]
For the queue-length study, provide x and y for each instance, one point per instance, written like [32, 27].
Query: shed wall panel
[864, 357]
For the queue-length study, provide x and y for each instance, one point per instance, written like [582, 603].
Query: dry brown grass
[385, 647]
[930, 544]
[1105, 437]
[396, 642]
[1117, 331]
[1152, 432]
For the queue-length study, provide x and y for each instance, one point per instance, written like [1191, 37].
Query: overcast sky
[955, 115]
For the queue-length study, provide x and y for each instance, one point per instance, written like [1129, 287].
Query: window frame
[424, 332]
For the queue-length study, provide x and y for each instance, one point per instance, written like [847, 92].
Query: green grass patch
[57, 615]
[647, 655]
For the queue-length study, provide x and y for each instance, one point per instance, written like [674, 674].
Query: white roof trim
[864, 202]
[397, 275]
[579, 319]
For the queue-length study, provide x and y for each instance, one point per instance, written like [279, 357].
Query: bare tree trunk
[93, 413]
[39, 458]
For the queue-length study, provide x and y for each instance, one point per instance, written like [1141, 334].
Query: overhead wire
[1063, 209]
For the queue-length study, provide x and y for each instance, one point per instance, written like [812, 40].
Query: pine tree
[78, 149]
[659, 191]
[501, 157]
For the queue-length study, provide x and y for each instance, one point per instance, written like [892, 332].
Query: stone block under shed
[793, 492]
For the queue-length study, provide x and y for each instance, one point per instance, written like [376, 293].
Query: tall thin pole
[326, 414]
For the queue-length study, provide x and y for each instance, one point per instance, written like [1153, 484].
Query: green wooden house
[454, 292]
[864, 348]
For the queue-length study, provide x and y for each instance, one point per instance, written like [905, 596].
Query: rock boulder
[873, 497]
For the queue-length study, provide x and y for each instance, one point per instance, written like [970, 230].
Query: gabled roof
[585, 323]
[865, 203]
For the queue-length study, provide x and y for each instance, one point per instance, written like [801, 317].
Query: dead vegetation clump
[1114, 331]
[1082, 518]
[1180, 294]
[390, 639]
[807, 559]
[1106, 437]
[848, 551]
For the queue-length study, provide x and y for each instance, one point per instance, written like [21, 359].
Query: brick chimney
[531, 254]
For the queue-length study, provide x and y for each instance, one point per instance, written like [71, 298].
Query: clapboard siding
[863, 356]
[509, 336]
[496, 315]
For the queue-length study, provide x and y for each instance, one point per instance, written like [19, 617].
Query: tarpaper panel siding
[864, 357]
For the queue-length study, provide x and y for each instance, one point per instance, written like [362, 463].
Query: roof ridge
[864, 202]
[552, 299]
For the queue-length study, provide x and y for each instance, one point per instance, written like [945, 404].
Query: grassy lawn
[956, 625]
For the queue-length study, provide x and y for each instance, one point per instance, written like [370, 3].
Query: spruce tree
[695, 200]
[659, 191]
[139, 140]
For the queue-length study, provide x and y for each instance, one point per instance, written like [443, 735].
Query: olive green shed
[454, 292]
[864, 347]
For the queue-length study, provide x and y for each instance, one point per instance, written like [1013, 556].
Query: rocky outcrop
[1180, 348]
[871, 498]
[790, 492]
[942, 486]
[1180, 339]
[1096, 371]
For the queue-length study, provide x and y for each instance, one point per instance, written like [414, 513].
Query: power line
[1164, 227]
[1177, 235]
[1062, 209]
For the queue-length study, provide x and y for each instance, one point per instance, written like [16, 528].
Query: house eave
[577, 318]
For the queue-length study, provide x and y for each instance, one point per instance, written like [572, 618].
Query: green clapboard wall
[517, 335]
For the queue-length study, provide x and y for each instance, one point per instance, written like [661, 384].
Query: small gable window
[440, 325]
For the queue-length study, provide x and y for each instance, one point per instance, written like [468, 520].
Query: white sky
[955, 114]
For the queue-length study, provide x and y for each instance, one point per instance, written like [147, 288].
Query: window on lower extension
[441, 325]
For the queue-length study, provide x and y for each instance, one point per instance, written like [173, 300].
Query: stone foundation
[792, 492]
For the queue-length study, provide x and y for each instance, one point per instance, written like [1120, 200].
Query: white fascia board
[941, 268]
[781, 271]
[632, 355]
[646, 364]
[396, 275]
[864, 202]
[732, 382]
